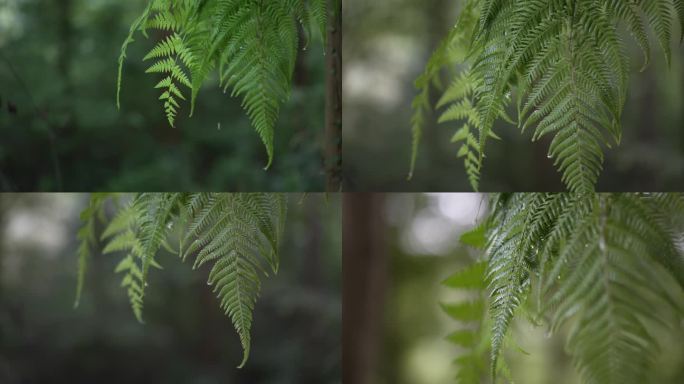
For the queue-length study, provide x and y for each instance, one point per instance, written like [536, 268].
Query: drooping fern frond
[452, 50]
[136, 231]
[252, 43]
[122, 234]
[87, 238]
[563, 64]
[473, 333]
[609, 266]
[472, 363]
[239, 234]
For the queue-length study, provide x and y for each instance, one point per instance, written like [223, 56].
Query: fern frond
[511, 254]
[473, 334]
[172, 57]
[609, 289]
[600, 263]
[450, 51]
[240, 235]
[87, 238]
[140, 21]
[155, 221]
[317, 12]
[257, 61]
[472, 363]
[252, 43]
[123, 234]
[565, 63]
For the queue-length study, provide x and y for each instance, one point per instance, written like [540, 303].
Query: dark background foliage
[58, 65]
[392, 41]
[186, 337]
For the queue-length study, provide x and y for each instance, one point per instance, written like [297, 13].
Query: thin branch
[51, 134]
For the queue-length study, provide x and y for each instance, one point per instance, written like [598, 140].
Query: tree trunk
[364, 278]
[333, 99]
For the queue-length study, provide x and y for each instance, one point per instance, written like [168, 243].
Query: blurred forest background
[394, 330]
[387, 44]
[186, 338]
[61, 130]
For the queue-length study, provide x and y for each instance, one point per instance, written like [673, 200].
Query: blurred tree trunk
[333, 98]
[364, 268]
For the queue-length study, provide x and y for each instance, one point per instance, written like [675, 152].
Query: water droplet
[146, 284]
[548, 334]
[219, 126]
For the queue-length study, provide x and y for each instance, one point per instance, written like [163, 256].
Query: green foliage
[252, 43]
[239, 233]
[86, 237]
[221, 229]
[603, 264]
[472, 313]
[563, 63]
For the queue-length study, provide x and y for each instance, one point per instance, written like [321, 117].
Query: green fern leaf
[123, 234]
[239, 234]
[472, 363]
[222, 230]
[564, 62]
[87, 238]
[602, 264]
[252, 43]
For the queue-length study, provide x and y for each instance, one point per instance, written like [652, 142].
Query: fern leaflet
[604, 264]
[252, 43]
[239, 234]
[564, 66]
